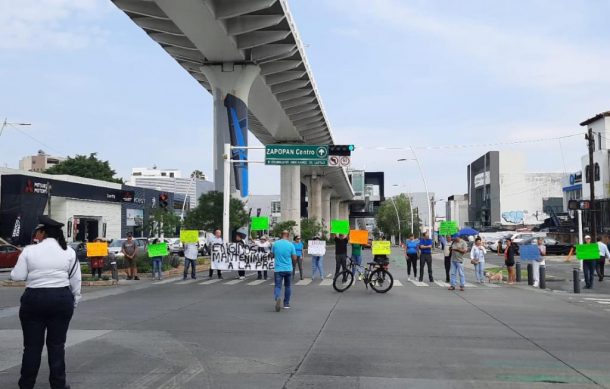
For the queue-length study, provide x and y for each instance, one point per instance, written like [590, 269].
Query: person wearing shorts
[129, 249]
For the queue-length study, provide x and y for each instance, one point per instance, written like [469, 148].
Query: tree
[387, 221]
[160, 217]
[287, 225]
[310, 228]
[208, 213]
[197, 174]
[88, 167]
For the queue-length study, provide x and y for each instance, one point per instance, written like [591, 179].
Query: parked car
[203, 239]
[9, 255]
[553, 247]
[81, 250]
[114, 247]
[175, 246]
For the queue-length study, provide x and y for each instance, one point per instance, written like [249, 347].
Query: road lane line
[256, 282]
[209, 282]
[186, 282]
[398, 283]
[306, 281]
[418, 283]
[233, 282]
[442, 284]
[326, 282]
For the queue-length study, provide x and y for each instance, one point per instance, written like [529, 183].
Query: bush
[276, 230]
[310, 228]
[84, 269]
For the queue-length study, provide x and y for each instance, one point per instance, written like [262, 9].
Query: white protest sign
[317, 248]
[239, 256]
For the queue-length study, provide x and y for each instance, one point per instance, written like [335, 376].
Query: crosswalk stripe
[418, 283]
[469, 285]
[256, 282]
[306, 281]
[327, 281]
[595, 299]
[166, 281]
[186, 282]
[603, 302]
[490, 285]
[398, 283]
[208, 282]
[233, 282]
[442, 284]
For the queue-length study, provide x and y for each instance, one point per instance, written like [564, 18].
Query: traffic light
[163, 201]
[341, 150]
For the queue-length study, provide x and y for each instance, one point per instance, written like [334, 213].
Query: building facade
[501, 193]
[39, 162]
[456, 209]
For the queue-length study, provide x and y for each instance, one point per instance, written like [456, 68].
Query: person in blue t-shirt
[425, 257]
[298, 246]
[284, 254]
[411, 246]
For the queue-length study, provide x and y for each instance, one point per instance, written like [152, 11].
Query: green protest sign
[339, 227]
[259, 223]
[157, 250]
[587, 251]
[448, 227]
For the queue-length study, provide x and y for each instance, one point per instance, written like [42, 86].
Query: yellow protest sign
[97, 249]
[189, 236]
[359, 237]
[381, 247]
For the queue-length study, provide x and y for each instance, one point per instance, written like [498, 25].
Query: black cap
[45, 221]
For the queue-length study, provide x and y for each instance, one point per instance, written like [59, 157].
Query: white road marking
[418, 283]
[233, 282]
[166, 281]
[327, 281]
[469, 285]
[305, 281]
[186, 282]
[442, 284]
[256, 282]
[398, 283]
[208, 282]
[603, 302]
[489, 285]
[595, 299]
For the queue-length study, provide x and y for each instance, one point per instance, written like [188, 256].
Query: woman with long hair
[53, 284]
[509, 261]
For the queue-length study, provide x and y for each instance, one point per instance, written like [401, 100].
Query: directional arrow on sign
[322, 152]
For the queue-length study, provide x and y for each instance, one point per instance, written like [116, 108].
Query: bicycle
[376, 275]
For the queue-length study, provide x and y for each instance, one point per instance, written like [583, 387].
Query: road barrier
[542, 282]
[518, 270]
[576, 279]
[530, 274]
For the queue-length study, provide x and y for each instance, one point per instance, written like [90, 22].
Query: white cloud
[512, 55]
[55, 24]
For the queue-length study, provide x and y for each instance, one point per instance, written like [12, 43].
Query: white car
[175, 246]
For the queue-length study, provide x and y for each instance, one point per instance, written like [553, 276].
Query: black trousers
[588, 268]
[425, 259]
[45, 310]
[447, 268]
[299, 263]
[412, 263]
[599, 268]
[260, 274]
[218, 272]
[340, 263]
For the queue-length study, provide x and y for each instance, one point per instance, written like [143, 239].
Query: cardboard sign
[259, 223]
[189, 236]
[448, 227]
[316, 248]
[157, 250]
[587, 251]
[239, 256]
[359, 237]
[339, 227]
[97, 249]
[529, 252]
[382, 247]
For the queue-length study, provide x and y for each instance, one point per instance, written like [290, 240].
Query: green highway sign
[312, 155]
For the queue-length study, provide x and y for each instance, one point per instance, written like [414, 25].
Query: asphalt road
[226, 334]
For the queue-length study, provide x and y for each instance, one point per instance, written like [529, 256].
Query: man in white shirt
[604, 254]
[214, 240]
[190, 259]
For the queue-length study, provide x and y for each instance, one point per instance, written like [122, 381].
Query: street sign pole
[227, 193]
[580, 239]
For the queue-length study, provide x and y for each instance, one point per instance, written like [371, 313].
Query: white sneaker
[536, 285]
[242, 277]
[409, 278]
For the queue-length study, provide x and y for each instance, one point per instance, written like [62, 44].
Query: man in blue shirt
[425, 257]
[284, 253]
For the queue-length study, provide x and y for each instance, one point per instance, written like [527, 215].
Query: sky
[451, 79]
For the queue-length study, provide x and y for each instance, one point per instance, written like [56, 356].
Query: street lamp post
[398, 220]
[421, 173]
[5, 123]
[410, 209]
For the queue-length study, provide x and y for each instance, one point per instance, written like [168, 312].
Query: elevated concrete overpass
[249, 56]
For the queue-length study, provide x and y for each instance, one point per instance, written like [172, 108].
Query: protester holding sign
[264, 246]
[157, 260]
[340, 253]
[317, 249]
[239, 240]
[97, 262]
[190, 259]
[212, 241]
[603, 255]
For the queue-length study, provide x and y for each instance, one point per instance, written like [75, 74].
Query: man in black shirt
[340, 253]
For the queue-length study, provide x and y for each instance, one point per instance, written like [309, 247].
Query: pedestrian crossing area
[327, 281]
[605, 302]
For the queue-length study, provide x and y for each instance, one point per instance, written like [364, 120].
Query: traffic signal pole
[592, 210]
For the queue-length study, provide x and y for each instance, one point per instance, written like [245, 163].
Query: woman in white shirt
[53, 284]
[477, 258]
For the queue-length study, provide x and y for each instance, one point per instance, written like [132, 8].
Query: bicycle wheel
[381, 281]
[343, 281]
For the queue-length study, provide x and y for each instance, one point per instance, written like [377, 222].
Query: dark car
[553, 247]
[81, 250]
[8, 255]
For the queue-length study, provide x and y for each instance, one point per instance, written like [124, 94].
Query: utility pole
[591, 144]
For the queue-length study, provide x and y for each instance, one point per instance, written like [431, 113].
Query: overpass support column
[315, 199]
[334, 209]
[326, 193]
[344, 210]
[290, 195]
[231, 85]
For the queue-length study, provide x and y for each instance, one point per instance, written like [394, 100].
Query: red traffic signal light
[163, 200]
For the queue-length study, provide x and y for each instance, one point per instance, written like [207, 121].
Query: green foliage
[208, 213]
[310, 228]
[197, 174]
[288, 225]
[387, 221]
[88, 167]
[84, 269]
[168, 219]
